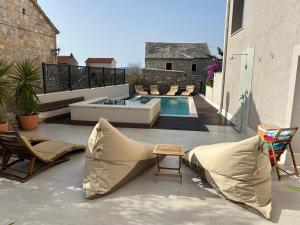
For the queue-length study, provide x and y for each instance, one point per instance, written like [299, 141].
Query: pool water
[170, 105]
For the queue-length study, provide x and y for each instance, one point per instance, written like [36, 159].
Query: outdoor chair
[173, 90]
[18, 149]
[33, 139]
[140, 90]
[188, 90]
[154, 90]
[278, 141]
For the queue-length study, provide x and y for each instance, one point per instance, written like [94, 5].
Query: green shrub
[5, 84]
[26, 80]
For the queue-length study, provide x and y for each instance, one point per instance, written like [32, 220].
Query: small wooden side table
[169, 150]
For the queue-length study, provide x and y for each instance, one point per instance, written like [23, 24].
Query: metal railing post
[115, 76]
[124, 74]
[70, 78]
[103, 76]
[44, 78]
[89, 76]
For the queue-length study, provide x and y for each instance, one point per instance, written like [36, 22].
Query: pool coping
[192, 106]
[89, 104]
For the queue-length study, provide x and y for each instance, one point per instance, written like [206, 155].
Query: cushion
[239, 171]
[50, 150]
[112, 159]
[284, 135]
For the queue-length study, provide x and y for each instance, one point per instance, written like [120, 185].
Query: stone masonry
[26, 32]
[190, 59]
[165, 78]
[180, 65]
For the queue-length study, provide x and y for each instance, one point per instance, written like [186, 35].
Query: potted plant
[26, 80]
[4, 93]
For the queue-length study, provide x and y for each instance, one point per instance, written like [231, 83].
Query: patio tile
[56, 196]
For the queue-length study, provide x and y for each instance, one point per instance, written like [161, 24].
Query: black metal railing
[63, 77]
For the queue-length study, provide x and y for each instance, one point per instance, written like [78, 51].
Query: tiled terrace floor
[207, 115]
[55, 196]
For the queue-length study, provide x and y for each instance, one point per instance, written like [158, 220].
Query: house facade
[26, 32]
[101, 62]
[262, 65]
[191, 59]
[67, 59]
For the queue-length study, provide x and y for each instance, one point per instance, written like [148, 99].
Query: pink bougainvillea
[216, 66]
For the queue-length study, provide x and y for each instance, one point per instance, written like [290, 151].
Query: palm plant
[5, 84]
[26, 79]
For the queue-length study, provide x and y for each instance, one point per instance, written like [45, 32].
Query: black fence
[63, 77]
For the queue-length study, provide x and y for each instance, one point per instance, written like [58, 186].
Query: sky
[120, 28]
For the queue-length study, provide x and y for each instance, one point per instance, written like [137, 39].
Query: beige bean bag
[112, 159]
[239, 171]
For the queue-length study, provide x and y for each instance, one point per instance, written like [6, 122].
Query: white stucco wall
[86, 111]
[273, 29]
[295, 119]
[213, 94]
[118, 91]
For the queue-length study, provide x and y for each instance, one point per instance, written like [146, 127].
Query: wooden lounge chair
[33, 139]
[140, 90]
[18, 149]
[188, 90]
[173, 90]
[154, 89]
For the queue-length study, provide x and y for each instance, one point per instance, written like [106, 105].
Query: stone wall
[198, 77]
[25, 33]
[180, 65]
[198, 81]
[166, 78]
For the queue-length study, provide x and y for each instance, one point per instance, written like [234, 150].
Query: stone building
[26, 32]
[67, 59]
[101, 62]
[189, 58]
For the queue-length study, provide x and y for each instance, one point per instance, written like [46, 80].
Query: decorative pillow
[112, 159]
[285, 134]
[239, 171]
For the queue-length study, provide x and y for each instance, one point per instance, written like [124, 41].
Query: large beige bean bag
[239, 171]
[112, 159]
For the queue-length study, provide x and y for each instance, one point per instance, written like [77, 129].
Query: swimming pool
[171, 106]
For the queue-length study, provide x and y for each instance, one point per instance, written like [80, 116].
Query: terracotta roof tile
[64, 58]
